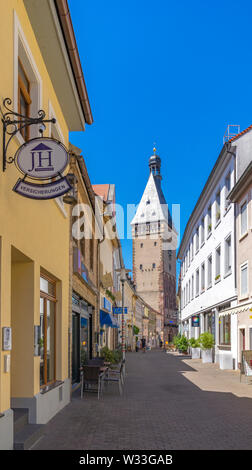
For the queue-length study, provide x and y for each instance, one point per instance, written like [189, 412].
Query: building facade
[154, 250]
[207, 254]
[34, 234]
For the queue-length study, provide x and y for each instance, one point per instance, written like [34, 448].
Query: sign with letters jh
[42, 159]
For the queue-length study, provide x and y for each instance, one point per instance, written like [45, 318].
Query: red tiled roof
[101, 190]
[241, 133]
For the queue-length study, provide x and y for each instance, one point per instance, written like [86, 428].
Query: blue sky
[174, 73]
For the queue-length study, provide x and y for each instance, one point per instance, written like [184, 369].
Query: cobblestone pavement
[161, 409]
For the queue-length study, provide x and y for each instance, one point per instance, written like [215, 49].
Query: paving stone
[168, 403]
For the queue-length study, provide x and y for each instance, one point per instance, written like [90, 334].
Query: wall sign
[196, 320]
[7, 338]
[42, 159]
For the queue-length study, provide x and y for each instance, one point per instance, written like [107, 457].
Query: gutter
[73, 53]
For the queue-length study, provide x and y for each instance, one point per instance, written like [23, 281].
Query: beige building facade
[241, 195]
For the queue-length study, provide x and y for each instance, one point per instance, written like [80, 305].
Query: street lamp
[123, 277]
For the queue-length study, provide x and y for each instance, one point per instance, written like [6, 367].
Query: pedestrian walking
[160, 344]
[138, 345]
[144, 344]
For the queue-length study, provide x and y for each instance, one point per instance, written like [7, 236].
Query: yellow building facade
[34, 234]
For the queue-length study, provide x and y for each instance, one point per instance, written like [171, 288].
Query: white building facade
[207, 253]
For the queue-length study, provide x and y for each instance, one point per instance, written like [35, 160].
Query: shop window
[225, 330]
[24, 98]
[48, 330]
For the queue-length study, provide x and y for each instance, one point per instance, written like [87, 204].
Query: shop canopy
[237, 309]
[108, 320]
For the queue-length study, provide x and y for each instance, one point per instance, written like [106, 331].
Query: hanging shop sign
[39, 159]
[42, 159]
[195, 320]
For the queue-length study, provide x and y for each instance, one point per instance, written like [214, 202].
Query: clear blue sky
[174, 73]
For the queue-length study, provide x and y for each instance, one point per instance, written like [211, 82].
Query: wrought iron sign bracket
[14, 122]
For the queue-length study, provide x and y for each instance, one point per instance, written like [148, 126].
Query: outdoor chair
[117, 369]
[91, 379]
[115, 376]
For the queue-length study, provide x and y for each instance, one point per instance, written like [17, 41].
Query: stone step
[28, 436]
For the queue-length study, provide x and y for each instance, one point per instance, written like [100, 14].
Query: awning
[236, 309]
[108, 320]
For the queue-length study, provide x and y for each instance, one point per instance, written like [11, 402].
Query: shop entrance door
[75, 348]
[85, 338]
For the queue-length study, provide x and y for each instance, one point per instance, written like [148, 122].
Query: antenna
[231, 131]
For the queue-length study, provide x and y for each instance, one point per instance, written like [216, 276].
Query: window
[203, 277]
[227, 190]
[209, 217]
[197, 239]
[217, 263]
[192, 287]
[153, 265]
[24, 99]
[225, 329]
[217, 208]
[228, 255]
[197, 282]
[155, 244]
[202, 230]
[209, 271]
[91, 253]
[170, 254]
[136, 229]
[141, 245]
[244, 280]
[141, 266]
[244, 219]
[47, 328]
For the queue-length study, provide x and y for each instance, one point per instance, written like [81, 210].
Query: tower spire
[155, 164]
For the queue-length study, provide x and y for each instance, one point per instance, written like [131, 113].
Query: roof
[153, 206]
[224, 149]
[240, 134]
[101, 190]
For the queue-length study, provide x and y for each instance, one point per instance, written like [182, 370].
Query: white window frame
[242, 266]
[203, 278]
[217, 274]
[209, 284]
[22, 50]
[244, 201]
[227, 271]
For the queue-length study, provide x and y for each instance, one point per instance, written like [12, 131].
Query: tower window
[141, 266]
[141, 245]
[155, 243]
[153, 265]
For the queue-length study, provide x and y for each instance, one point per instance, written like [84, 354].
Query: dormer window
[147, 202]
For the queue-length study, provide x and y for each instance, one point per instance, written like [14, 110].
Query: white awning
[236, 309]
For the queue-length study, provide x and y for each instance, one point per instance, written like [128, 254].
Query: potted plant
[209, 228]
[176, 341]
[207, 343]
[195, 346]
[183, 344]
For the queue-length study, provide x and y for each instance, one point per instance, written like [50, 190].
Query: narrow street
[161, 409]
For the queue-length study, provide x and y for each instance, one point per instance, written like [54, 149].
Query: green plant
[135, 330]
[209, 227]
[111, 356]
[217, 277]
[183, 344]
[206, 340]
[194, 343]
[109, 294]
[176, 340]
